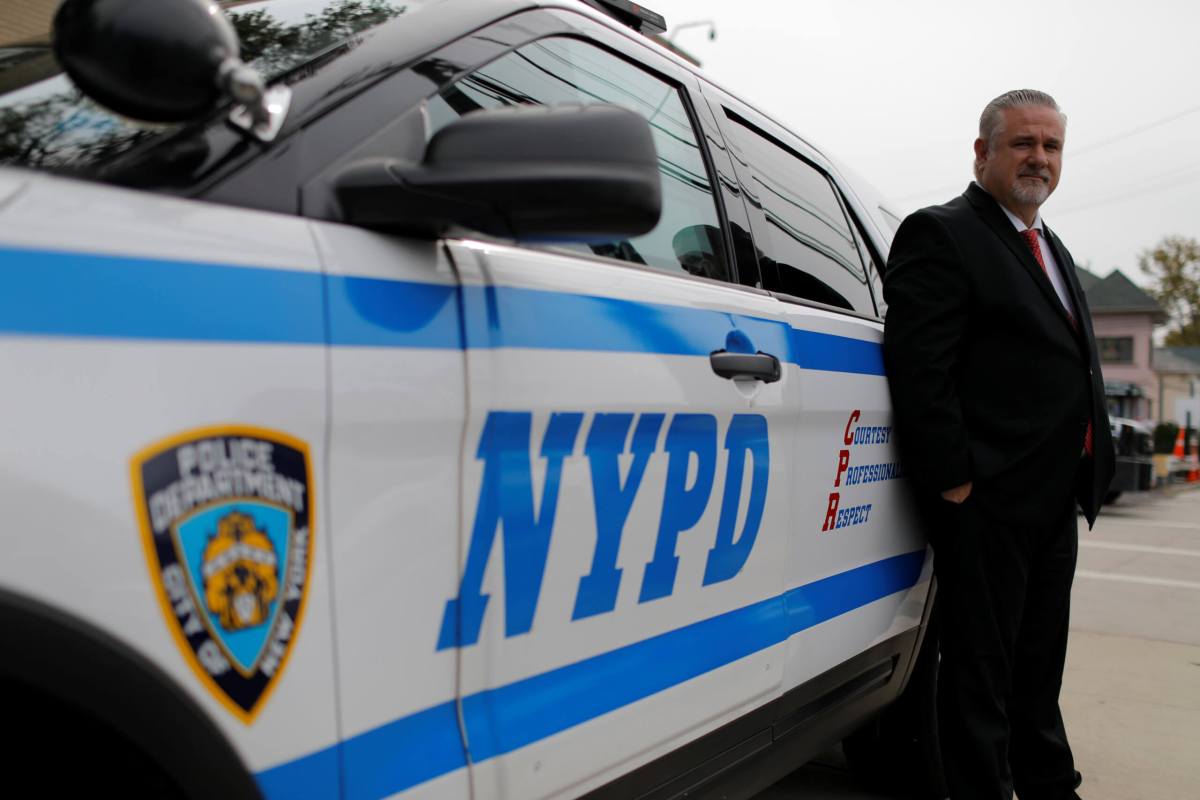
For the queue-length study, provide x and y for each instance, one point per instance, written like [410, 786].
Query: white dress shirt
[1053, 271]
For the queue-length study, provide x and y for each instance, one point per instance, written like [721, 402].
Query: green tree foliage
[1174, 267]
[274, 47]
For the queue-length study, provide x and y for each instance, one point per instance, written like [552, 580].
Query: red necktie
[1030, 235]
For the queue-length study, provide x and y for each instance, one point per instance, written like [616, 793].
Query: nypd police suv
[443, 399]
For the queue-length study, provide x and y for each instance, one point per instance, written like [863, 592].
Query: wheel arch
[91, 671]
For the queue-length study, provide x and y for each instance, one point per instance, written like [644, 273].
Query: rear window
[47, 123]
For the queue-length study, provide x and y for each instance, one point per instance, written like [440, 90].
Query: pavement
[1131, 692]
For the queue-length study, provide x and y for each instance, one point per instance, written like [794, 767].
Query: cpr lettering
[857, 436]
[506, 507]
[831, 510]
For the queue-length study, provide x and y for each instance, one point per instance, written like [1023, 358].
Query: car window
[47, 123]
[870, 257]
[807, 248]
[569, 71]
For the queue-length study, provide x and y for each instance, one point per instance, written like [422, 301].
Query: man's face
[1022, 166]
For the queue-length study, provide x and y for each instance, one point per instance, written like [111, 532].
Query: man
[1001, 421]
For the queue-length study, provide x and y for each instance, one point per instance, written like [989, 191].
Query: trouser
[1004, 590]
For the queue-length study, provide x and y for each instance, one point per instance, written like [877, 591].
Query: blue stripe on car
[424, 745]
[92, 295]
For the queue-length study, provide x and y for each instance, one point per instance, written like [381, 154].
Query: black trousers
[1004, 589]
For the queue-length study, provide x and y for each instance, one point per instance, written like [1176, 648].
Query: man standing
[1001, 421]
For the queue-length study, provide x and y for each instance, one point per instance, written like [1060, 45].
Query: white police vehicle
[444, 399]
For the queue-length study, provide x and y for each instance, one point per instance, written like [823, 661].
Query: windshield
[47, 123]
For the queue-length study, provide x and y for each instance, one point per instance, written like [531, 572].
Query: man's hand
[958, 494]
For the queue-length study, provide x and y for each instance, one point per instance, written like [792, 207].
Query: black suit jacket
[990, 380]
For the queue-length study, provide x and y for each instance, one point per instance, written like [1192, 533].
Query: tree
[273, 47]
[1174, 267]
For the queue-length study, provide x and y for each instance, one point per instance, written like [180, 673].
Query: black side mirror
[528, 172]
[153, 60]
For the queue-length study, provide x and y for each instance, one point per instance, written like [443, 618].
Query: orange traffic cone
[1193, 474]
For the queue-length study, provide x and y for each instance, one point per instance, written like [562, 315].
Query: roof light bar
[635, 16]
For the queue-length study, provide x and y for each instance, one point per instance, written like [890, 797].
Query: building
[1123, 317]
[25, 21]
[1178, 370]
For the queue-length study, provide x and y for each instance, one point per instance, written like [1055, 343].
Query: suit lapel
[1066, 266]
[989, 210]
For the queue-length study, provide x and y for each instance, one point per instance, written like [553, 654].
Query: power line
[1076, 153]
[1172, 173]
[1133, 132]
[1170, 184]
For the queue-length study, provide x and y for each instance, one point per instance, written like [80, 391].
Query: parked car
[446, 399]
[1134, 442]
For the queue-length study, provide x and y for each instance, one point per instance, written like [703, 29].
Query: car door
[625, 507]
[397, 405]
[857, 566]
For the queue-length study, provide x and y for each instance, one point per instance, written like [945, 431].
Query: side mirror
[528, 172]
[153, 60]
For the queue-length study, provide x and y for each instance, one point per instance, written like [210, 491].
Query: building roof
[1177, 359]
[1116, 294]
[1086, 279]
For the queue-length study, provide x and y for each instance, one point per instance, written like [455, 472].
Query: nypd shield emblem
[227, 524]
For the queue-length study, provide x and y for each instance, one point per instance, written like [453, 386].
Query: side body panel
[131, 323]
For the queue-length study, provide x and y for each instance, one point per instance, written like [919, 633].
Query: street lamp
[712, 29]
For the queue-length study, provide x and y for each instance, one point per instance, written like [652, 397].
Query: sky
[894, 89]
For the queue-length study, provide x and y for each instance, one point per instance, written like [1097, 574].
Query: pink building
[1123, 317]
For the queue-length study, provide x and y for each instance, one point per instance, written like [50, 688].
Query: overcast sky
[894, 88]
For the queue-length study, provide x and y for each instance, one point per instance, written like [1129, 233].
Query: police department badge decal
[227, 523]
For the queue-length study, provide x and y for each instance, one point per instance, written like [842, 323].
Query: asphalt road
[1131, 694]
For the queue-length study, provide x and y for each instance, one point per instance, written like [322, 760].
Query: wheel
[45, 730]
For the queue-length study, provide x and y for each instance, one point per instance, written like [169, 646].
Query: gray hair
[991, 121]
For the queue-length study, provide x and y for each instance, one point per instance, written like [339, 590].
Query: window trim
[871, 256]
[727, 246]
[758, 129]
[615, 262]
[802, 301]
[677, 82]
[856, 235]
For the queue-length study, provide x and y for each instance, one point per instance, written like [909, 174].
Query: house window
[1115, 349]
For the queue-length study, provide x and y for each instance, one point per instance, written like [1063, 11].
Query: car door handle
[759, 366]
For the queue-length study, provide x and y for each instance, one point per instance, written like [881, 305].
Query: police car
[436, 399]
